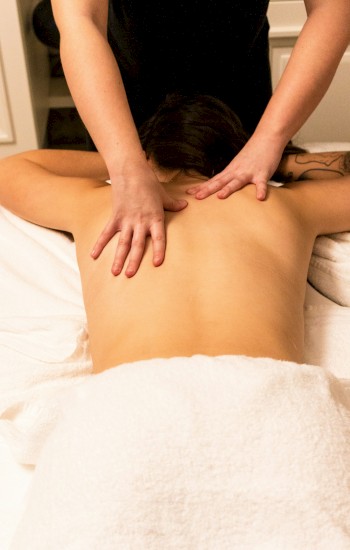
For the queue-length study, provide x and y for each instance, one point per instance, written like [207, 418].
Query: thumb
[261, 189]
[175, 205]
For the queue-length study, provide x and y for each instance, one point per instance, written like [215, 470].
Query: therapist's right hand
[138, 204]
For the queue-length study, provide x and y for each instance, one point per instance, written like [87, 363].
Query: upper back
[235, 271]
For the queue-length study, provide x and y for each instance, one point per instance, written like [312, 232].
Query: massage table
[44, 348]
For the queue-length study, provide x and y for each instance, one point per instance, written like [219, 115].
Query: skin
[235, 278]
[304, 166]
[138, 200]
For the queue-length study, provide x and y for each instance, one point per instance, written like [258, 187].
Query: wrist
[132, 170]
[272, 138]
[274, 127]
[127, 165]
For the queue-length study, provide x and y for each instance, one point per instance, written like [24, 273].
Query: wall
[27, 93]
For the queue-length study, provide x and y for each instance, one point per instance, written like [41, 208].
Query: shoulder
[323, 205]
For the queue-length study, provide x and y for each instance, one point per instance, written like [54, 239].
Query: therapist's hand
[255, 163]
[139, 201]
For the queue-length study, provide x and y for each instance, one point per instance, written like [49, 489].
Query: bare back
[233, 282]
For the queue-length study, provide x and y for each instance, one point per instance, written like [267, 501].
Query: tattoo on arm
[346, 163]
[306, 166]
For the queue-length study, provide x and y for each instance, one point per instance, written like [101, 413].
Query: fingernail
[130, 271]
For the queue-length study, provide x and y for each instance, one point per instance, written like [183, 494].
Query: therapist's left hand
[255, 163]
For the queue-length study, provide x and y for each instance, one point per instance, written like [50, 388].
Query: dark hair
[193, 132]
[291, 149]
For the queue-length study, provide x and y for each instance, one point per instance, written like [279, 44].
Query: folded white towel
[329, 270]
[196, 453]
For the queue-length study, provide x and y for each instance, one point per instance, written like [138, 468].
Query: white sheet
[40, 297]
[43, 336]
[39, 273]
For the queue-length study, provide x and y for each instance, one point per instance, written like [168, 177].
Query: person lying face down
[235, 275]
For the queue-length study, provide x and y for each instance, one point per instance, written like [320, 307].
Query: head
[194, 133]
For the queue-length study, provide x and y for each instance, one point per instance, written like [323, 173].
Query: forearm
[306, 166]
[31, 189]
[95, 82]
[98, 91]
[309, 72]
[81, 164]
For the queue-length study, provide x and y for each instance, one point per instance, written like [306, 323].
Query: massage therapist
[122, 57]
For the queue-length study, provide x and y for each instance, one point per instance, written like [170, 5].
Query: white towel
[227, 453]
[329, 270]
[40, 358]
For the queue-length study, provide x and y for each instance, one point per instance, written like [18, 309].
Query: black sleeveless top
[217, 47]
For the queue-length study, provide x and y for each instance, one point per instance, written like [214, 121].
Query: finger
[158, 242]
[203, 186]
[261, 189]
[136, 251]
[108, 232]
[230, 188]
[193, 190]
[173, 205]
[123, 248]
[212, 186]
